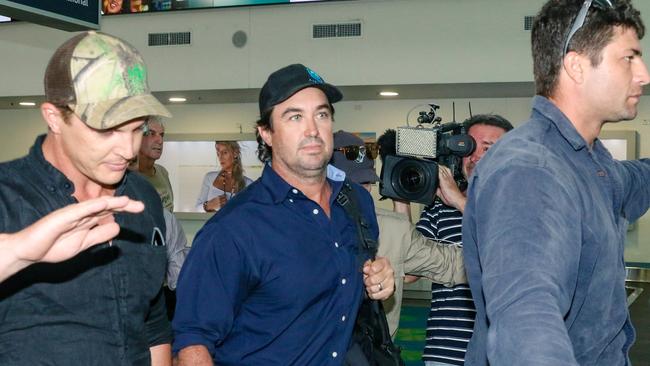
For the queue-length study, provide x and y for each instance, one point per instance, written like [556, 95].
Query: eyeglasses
[582, 15]
[358, 153]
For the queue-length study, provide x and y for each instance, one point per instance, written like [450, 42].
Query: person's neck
[85, 188]
[146, 166]
[315, 187]
[581, 117]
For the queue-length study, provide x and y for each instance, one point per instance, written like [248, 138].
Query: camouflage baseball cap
[102, 79]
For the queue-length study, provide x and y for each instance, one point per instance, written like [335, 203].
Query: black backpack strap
[347, 198]
[371, 342]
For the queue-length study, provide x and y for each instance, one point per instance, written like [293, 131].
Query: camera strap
[348, 200]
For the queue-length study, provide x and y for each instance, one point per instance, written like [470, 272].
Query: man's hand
[378, 278]
[64, 233]
[448, 190]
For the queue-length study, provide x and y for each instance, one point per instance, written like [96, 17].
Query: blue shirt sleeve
[529, 258]
[636, 187]
[214, 281]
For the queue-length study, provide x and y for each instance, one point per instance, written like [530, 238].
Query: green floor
[411, 332]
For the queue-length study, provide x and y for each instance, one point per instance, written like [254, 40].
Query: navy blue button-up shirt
[544, 233]
[271, 280]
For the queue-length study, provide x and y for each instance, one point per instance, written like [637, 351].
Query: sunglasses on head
[358, 153]
[582, 15]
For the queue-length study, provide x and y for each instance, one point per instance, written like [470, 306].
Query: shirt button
[601, 173]
[291, 200]
[315, 211]
[343, 318]
[334, 354]
[343, 281]
[295, 191]
[336, 244]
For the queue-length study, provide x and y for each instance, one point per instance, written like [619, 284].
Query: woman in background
[219, 187]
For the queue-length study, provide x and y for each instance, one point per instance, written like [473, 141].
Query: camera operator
[451, 318]
[407, 249]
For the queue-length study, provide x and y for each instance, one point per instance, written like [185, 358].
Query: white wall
[404, 42]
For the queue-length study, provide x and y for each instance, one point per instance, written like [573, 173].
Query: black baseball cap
[289, 80]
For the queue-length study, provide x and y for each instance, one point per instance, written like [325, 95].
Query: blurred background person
[151, 150]
[177, 250]
[407, 249]
[451, 318]
[220, 186]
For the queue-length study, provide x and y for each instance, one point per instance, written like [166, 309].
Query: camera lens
[413, 178]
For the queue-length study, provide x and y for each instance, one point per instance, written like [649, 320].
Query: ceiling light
[27, 104]
[177, 99]
[388, 94]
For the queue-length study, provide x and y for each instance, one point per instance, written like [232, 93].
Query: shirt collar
[279, 188]
[564, 126]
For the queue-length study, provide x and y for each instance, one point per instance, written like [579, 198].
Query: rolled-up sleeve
[211, 287]
[529, 256]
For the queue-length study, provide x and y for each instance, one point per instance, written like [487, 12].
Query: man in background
[451, 318]
[106, 301]
[548, 207]
[151, 150]
[408, 251]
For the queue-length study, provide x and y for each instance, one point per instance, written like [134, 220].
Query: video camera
[412, 173]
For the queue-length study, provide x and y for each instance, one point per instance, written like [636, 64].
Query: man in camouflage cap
[104, 306]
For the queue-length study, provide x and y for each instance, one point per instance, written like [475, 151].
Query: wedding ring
[380, 287]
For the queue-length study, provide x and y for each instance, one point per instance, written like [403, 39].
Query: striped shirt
[451, 318]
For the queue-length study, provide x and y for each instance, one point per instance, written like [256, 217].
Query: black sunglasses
[582, 15]
[358, 153]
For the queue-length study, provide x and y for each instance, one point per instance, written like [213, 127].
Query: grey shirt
[177, 248]
[544, 232]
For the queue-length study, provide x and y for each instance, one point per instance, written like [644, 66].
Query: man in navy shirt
[548, 207]
[274, 278]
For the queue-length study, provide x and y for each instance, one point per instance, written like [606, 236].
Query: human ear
[52, 116]
[265, 134]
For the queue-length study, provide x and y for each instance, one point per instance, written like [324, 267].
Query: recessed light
[27, 104]
[177, 99]
[388, 94]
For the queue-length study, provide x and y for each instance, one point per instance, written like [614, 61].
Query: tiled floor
[410, 335]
